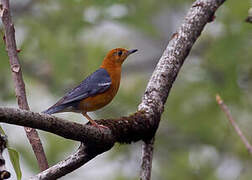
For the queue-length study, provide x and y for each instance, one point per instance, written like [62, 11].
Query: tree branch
[157, 91]
[227, 112]
[11, 47]
[143, 124]
[123, 130]
[68, 165]
[147, 155]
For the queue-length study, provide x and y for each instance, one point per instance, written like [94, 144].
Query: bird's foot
[100, 126]
[93, 123]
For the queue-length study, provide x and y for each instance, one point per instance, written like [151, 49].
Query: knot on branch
[15, 68]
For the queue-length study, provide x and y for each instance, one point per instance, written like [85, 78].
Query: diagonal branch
[143, 124]
[68, 165]
[11, 47]
[227, 112]
[159, 86]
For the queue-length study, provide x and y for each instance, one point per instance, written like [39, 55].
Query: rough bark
[68, 165]
[11, 48]
[160, 84]
[140, 126]
[123, 130]
[147, 156]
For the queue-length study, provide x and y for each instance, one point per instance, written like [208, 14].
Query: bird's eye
[119, 53]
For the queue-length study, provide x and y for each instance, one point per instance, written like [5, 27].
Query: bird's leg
[89, 118]
[92, 121]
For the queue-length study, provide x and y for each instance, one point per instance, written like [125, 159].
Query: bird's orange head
[116, 57]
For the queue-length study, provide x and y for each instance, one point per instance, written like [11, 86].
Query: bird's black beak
[132, 51]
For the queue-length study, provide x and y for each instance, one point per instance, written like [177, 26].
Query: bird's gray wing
[96, 83]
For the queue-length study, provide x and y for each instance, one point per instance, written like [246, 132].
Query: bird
[95, 91]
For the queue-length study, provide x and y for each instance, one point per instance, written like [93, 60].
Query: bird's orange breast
[100, 100]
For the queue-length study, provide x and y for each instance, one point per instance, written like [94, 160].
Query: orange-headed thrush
[97, 90]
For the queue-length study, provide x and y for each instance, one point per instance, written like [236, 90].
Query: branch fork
[143, 124]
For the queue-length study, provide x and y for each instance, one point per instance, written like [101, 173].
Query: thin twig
[227, 112]
[147, 155]
[11, 47]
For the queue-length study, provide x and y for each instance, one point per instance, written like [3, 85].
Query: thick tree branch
[142, 124]
[159, 86]
[18, 81]
[123, 130]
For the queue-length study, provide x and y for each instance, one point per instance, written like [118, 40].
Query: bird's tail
[54, 109]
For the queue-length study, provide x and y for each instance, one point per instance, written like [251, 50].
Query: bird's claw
[100, 126]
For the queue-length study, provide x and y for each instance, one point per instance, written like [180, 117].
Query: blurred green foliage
[57, 53]
[14, 157]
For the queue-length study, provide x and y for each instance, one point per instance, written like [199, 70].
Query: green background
[63, 41]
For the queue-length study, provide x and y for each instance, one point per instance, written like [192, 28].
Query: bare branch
[19, 83]
[123, 130]
[166, 71]
[147, 155]
[66, 166]
[143, 124]
[157, 91]
[225, 109]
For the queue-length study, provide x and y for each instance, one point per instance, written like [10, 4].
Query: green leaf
[2, 131]
[14, 157]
